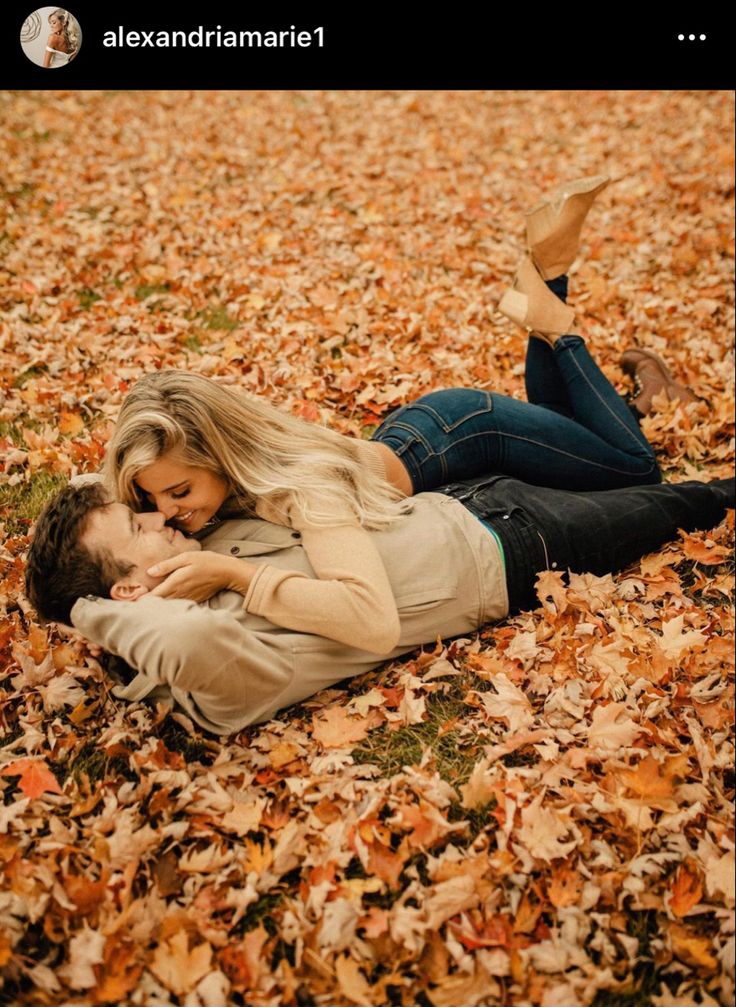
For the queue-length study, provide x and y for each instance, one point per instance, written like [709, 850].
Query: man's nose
[152, 520]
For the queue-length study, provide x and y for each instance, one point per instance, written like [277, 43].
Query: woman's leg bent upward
[461, 433]
[575, 433]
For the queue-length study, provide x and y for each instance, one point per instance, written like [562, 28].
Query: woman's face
[55, 22]
[186, 495]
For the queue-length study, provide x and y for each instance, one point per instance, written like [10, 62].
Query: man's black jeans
[597, 532]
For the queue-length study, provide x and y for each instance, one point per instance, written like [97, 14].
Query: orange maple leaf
[385, 864]
[549, 587]
[71, 423]
[691, 949]
[119, 972]
[564, 887]
[35, 777]
[702, 550]
[86, 895]
[686, 888]
[335, 728]
[652, 780]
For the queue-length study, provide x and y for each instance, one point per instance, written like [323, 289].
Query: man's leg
[598, 532]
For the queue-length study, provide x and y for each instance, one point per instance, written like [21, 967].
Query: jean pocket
[450, 408]
[387, 422]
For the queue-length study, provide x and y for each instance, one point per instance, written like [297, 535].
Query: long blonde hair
[69, 25]
[262, 453]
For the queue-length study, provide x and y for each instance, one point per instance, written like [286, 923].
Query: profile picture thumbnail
[51, 37]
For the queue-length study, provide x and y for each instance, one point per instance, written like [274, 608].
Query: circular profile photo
[51, 37]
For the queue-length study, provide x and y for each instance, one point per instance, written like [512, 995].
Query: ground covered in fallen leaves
[539, 815]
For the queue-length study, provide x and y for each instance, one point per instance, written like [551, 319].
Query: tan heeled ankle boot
[553, 226]
[531, 304]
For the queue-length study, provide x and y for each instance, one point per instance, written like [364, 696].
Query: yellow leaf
[353, 983]
[691, 949]
[71, 423]
[178, 968]
[335, 728]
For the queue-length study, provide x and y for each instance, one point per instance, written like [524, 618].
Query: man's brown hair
[59, 569]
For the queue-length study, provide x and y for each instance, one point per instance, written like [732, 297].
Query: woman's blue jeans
[575, 432]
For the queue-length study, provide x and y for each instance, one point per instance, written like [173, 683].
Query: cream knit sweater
[351, 601]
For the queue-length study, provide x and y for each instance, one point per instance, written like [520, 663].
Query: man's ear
[124, 590]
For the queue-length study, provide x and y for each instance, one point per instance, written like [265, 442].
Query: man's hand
[200, 575]
[73, 636]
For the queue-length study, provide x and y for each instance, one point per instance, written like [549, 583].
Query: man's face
[141, 539]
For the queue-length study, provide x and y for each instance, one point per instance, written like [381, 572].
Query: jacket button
[506, 517]
[235, 550]
[296, 534]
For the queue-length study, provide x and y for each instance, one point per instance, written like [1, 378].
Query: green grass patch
[176, 739]
[87, 297]
[192, 343]
[478, 819]
[217, 318]
[14, 430]
[390, 750]
[149, 289]
[93, 762]
[260, 912]
[24, 190]
[31, 372]
[20, 505]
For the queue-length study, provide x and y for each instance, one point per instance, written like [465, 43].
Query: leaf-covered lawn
[541, 814]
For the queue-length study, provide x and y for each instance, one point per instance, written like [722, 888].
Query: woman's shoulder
[286, 511]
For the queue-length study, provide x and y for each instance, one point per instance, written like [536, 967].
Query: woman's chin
[192, 524]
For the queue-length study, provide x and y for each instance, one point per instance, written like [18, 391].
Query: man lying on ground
[463, 557]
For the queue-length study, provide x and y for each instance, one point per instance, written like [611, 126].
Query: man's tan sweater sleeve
[351, 601]
[233, 674]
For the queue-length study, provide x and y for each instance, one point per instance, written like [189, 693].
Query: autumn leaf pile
[539, 814]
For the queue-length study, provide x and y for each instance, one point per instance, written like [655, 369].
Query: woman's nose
[168, 508]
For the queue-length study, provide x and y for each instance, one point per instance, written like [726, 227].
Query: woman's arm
[53, 43]
[200, 575]
[350, 600]
[48, 56]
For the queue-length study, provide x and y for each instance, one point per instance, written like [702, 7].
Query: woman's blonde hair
[263, 454]
[70, 27]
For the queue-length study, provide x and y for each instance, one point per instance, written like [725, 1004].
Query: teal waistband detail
[495, 535]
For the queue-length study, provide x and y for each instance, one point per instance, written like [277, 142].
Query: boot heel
[515, 305]
[532, 305]
[540, 223]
